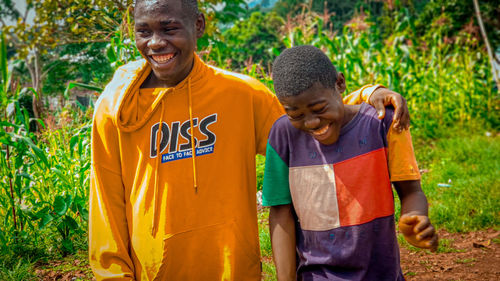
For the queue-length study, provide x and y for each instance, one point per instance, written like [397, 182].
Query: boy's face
[318, 111]
[166, 37]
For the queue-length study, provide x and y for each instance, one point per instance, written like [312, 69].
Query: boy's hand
[418, 231]
[382, 97]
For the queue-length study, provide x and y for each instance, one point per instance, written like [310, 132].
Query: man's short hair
[189, 6]
[296, 69]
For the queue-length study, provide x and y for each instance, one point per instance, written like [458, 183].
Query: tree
[254, 38]
[56, 23]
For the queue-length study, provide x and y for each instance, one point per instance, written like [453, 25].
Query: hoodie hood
[128, 118]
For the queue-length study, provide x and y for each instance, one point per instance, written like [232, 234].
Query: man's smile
[162, 58]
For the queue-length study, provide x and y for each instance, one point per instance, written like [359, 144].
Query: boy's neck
[349, 112]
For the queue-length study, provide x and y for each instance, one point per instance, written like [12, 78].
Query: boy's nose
[312, 122]
[157, 42]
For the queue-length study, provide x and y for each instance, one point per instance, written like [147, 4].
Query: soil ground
[468, 256]
[465, 256]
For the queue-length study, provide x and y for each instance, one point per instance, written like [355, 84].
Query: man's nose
[157, 42]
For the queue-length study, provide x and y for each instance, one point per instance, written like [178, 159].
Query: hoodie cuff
[367, 92]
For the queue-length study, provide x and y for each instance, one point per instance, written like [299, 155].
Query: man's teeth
[163, 58]
[320, 131]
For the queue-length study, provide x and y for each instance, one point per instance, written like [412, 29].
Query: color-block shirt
[341, 194]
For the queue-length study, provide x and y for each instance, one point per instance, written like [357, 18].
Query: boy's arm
[276, 194]
[414, 222]
[282, 229]
[378, 96]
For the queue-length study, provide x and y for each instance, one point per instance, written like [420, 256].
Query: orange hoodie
[155, 211]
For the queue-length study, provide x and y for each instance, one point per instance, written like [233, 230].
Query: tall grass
[49, 174]
[461, 181]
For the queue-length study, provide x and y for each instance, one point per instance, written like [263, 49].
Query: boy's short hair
[296, 69]
[189, 6]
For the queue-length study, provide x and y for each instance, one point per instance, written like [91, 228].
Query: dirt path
[471, 256]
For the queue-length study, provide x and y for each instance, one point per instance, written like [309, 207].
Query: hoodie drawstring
[156, 197]
[193, 145]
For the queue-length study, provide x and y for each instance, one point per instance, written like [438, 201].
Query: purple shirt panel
[362, 252]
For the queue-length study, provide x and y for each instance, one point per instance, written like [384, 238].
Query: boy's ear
[340, 84]
[200, 25]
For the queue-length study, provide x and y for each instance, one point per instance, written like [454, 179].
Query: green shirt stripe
[276, 189]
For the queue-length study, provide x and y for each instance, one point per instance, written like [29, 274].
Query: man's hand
[418, 231]
[382, 97]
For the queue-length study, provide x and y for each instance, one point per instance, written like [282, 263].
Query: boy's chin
[327, 141]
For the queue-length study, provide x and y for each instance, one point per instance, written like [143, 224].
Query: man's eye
[143, 32]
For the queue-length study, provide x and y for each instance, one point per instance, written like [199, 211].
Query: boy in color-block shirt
[328, 175]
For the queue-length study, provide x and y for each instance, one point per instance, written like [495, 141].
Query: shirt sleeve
[401, 158]
[276, 189]
[362, 94]
[108, 229]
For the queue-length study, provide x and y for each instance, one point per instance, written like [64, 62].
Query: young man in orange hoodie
[157, 212]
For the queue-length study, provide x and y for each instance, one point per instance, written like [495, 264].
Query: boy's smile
[318, 111]
[166, 36]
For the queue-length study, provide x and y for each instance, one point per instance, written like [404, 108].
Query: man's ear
[200, 25]
[340, 83]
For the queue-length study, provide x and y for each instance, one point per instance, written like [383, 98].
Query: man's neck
[154, 82]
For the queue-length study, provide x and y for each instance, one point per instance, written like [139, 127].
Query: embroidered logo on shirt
[312, 154]
[181, 148]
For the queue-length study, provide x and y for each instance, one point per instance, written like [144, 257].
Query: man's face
[166, 37]
[318, 111]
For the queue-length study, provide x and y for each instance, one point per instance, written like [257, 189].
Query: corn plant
[44, 177]
[45, 184]
[64, 189]
[121, 48]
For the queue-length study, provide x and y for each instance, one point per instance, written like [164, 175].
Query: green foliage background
[429, 51]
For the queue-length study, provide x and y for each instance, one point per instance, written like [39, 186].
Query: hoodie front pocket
[204, 253]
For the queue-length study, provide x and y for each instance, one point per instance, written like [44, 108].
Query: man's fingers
[379, 106]
[401, 115]
[405, 119]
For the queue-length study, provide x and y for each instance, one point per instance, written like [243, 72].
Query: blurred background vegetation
[56, 56]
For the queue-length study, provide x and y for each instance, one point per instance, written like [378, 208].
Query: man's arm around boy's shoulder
[379, 97]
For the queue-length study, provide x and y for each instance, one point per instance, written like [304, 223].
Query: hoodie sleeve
[362, 94]
[267, 109]
[108, 231]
